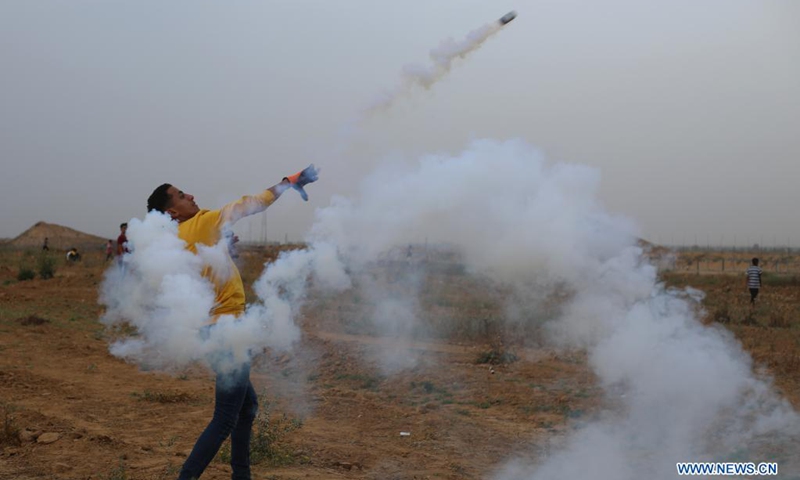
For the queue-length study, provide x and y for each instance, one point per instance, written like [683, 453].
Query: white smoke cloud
[513, 217]
[684, 391]
[159, 289]
[677, 390]
[501, 203]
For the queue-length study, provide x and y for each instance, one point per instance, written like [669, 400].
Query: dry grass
[162, 397]
[768, 331]
[10, 434]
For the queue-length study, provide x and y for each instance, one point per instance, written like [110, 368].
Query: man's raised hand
[300, 179]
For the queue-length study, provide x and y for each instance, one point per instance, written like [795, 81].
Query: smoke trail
[442, 58]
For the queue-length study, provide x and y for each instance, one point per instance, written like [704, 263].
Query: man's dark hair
[123, 225]
[755, 261]
[159, 200]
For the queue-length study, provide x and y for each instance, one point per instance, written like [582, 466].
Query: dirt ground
[73, 411]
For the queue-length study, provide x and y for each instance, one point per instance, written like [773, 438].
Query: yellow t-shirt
[206, 228]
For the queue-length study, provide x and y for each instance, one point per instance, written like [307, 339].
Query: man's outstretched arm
[252, 204]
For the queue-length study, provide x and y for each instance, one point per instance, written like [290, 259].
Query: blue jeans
[235, 408]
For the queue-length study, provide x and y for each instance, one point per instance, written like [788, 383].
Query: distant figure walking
[45, 248]
[122, 240]
[754, 280]
[109, 250]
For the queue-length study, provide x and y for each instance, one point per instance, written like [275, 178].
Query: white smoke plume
[442, 58]
[687, 391]
[501, 203]
[681, 391]
[677, 390]
[159, 289]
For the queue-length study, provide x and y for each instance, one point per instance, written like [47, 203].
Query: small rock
[61, 467]
[103, 439]
[48, 438]
[430, 406]
[29, 436]
[284, 359]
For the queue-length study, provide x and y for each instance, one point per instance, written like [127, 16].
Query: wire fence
[772, 261]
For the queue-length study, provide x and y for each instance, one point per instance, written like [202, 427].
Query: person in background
[45, 248]
[109, 250]
[754, 280]
[122, 240]
[73, 255]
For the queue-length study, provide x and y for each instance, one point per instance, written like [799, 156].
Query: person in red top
[122, 240]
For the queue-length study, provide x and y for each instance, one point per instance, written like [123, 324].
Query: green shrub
[25, 273]
[118, 473]
[496, 356]
[47, 266]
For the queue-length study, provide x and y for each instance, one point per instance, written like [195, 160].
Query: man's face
[182, 206]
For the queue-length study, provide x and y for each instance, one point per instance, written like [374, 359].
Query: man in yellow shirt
[236, 403]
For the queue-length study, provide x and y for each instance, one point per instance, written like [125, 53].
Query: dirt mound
[58, 237]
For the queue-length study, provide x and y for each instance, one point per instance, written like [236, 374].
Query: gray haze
[689, 109]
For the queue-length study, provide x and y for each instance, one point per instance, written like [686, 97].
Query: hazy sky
[690, 109]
